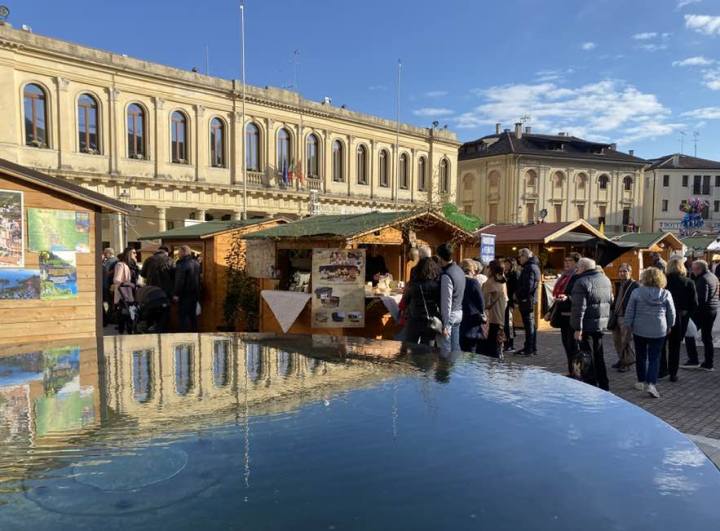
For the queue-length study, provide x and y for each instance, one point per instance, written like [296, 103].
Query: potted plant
[241, 295]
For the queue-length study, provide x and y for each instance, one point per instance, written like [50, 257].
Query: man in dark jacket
[657, 261]
[706, 285]
[452, 291]
[622, 335]
[158, 270]
[526, 296]
[591, 299]
[109, 260]
[187, 289]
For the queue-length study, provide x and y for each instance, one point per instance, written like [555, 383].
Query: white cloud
[602, 110]
[705, 24]
[553, 75]
[587, 46]
[652, 47]
[376, 88]
[683, 3]
[704, 113]
[711, 79]
[645, 36]
[436, 93]
[697, 60]
[433, 112]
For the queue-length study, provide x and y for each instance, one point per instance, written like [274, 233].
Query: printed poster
[338, 281]
[58, 230]
[58, 275]
[11, 229]
[487, 248]
[19, 284]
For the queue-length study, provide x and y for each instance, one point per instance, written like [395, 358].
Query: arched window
[35, 103]
[362, 165]
[221, 363]
[628, 183]
[383, 165]
[403, 172]
[337, 162]
[444, 176]
[531, 178]
[217, 143]
[183, 369]
[252, 147]
[142, 375]
[178, 139]
[88, 141]
[312, 168]
[136, 132]
[603, 182]
[581, 180]
[422, 164]
[283, 150]
[558, 179]
[493, 182]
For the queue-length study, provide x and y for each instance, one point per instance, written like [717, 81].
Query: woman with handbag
[685, 299]
[496, 301]
[473, 310]
[422, 299]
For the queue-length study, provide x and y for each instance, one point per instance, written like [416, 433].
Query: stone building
[170, 141]
[512, 176]
[674, 179]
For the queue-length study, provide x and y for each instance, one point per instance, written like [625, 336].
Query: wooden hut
[212, 241]
[50, 256]
[289, 250]
[641, 244]
[699, 246]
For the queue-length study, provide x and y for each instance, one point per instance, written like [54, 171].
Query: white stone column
[198, 140]
[200, 215]
[237, 215]
[115, 127]
[162, 219]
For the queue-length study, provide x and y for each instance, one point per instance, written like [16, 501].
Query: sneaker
[640, 386]
[673, 378]
[652, 391]
[690, 365]
[663, 376]
[707, 368]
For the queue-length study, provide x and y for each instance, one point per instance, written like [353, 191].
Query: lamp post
[123, 196]
[242, 133]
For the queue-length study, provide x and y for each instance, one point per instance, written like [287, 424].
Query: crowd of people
[469, 307]
[131, 289]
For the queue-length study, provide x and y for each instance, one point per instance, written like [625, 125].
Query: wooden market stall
[212, 241]
[387, 238]
[699, 247]
[50, 248]
[641, 244]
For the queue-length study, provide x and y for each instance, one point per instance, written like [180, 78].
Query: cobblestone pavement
[692, 404]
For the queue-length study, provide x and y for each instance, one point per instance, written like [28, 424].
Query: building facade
[673, 180]
[513, 176]
[171, 142]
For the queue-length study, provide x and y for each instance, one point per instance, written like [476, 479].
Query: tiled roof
[698, 243]
[648, 239]
[547, 145]
[537, 232]
[63, 186]
[208, 228]
[678, 161]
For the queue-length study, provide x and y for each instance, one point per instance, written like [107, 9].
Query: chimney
[676, 160]
[613, 147]
[632, 152]
[518, 130]
[561, 133]
[528, 130]
[497, 128]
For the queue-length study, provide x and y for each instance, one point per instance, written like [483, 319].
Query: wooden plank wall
[39, 320]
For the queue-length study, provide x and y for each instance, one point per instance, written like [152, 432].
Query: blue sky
[628, 71]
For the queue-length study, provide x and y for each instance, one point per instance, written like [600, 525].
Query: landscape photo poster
[58, 275]
[11, 229]
[58, 230]
[338, 284]
[19, 284]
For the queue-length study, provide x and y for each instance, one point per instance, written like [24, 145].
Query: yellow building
[169, 141]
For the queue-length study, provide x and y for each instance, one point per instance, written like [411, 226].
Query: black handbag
[583, 367]
[433, 323]
[554, 315]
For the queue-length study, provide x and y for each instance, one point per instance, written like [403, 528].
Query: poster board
[19, 284]
[260, 258]
[58, 230]
[58, 275]
[338, 285]
[487, 248]
[11, 229]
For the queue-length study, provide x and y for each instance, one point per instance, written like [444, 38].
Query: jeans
[593, 342]
[569, 343]
[417, 331]
[187, 315]
[528, 319]
[677, 333]
[647, 358]
[451, 343]
[704, 320]
[509, 328]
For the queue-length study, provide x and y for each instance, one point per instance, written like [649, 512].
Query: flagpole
[242, 133]
[397, 135]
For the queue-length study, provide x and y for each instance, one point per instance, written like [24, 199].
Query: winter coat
[528, 284]
[650, 312]
[187, 279]
[683, 293]
[513, 279]
[707, 292]
[496, 300]
[122, 279]
[473, 309]
[622, 296]
[591, 298]
[414, 299]
[159, 270]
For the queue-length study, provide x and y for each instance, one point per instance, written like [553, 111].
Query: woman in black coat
[685, 298]
[422, 302]
[473, 308]
[512, 276]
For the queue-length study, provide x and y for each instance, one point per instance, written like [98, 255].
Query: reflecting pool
[258, 432]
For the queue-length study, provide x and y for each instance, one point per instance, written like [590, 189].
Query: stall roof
[63, 186]
[645, 240]
[348, 226]
[540, 232]
[698, 243]
[207, 229]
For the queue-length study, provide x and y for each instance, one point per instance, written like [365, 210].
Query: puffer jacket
[683, 293]
[650, 312]
[707, 292]
[528, 283]
[591, 299]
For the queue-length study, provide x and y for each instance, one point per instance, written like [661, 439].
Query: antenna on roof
[682, 142]
[696, 135]
[525, 118]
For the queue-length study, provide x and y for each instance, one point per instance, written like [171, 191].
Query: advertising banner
[19, 284]
[11, 228]
[58, 275]
[58, 230]
[487, 248]
[338, 283]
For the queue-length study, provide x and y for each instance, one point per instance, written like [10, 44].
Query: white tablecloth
[392, 303]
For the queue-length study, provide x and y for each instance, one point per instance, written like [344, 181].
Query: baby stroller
[126, 309]
[153, 310]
